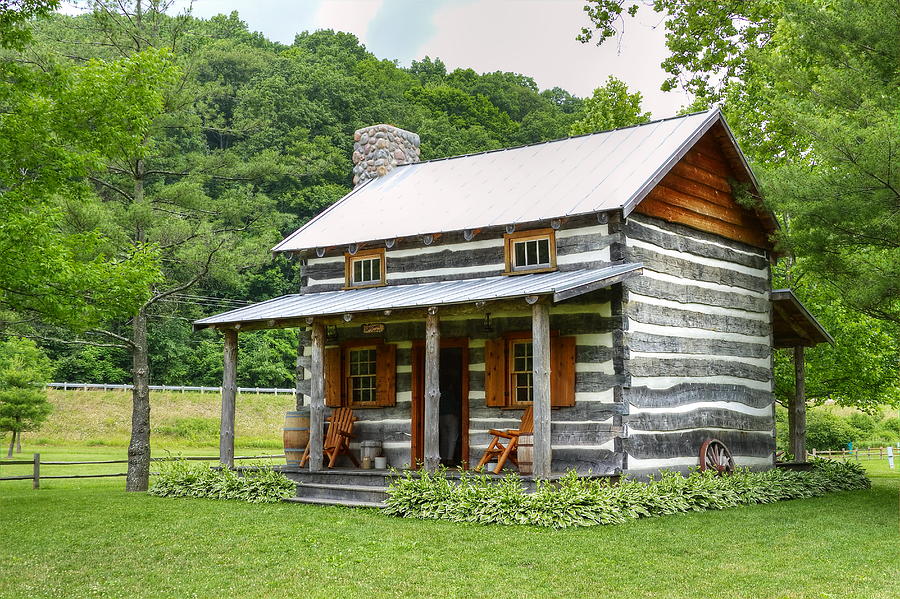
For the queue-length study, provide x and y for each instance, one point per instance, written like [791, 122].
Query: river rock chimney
[379, 148]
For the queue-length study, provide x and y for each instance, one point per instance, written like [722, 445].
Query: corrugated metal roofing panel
[394, 297]
[578, 175]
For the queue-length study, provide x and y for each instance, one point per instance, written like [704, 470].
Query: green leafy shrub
[181, 478]
[825, 430]
[579, 501]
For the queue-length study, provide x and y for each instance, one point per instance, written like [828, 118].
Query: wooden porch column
[316, 395]
[540, 335]
[432, 451]
[229, 394]
[797, 413]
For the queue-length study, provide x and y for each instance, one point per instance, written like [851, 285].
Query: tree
[24, 370]
[812, 91]
[610, 106]
[200, 207]
[56, 124]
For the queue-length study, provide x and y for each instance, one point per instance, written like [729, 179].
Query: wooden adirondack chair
[337, 438]
[502, 452]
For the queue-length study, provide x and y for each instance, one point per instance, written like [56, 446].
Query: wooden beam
[229, 395]
[316, 395]
[299, 371]
[432, 390]
[797, 412]
[540, 332]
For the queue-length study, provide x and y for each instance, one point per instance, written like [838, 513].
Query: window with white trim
[530, 251]
[365, 269]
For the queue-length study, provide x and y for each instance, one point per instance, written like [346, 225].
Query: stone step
[341, 477]
[338, 502]
[342, 491]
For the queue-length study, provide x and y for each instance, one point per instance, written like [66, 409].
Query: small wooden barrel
[296, 436]
[525, 454]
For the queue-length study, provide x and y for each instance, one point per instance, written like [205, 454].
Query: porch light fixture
[486, 325]
[331, 332]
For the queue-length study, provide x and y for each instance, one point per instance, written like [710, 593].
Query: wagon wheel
[714, 455]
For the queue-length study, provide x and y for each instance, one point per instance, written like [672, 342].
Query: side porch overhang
[794, 326]
[536, 291]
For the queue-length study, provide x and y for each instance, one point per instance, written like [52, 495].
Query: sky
[531, 37]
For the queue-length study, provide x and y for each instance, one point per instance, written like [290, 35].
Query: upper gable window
[530, 251]
[365, 268]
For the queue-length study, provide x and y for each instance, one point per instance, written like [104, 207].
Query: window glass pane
[376, 269]
[520, 254]
[543, 251]
[363, 378]
[531, 252]
[357, 271]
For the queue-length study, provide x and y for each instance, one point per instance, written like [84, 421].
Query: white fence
[182, 388]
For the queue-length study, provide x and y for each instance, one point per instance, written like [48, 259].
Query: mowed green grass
[88, 538]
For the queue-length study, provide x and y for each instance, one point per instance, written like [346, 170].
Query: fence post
[36, 483]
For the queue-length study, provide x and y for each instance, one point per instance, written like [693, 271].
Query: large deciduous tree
[197, 204]
[812, 90]
[56, 125]
[611, 106]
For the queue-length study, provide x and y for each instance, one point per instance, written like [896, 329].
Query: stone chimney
[379, 148]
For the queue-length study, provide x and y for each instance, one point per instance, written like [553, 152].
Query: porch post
[540, 334]
[229, 394]
[432, 390]
[797, 413]
[316, 395]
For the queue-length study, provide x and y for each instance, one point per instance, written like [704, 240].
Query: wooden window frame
[511, 387]
[498, 371]
[349, 259]
[385, 388]
[509, 241]
[348, 376]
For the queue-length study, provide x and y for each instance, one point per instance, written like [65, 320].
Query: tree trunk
[139, 447]
[12, 443]
[19, 442]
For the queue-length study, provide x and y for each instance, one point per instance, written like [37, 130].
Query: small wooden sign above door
[373, 327]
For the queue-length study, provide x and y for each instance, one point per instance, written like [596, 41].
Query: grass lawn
[89, 538]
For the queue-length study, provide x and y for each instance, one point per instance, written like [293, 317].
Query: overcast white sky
[532, 37]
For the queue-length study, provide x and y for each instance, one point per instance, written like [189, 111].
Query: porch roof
[792, 324]
[561, 285]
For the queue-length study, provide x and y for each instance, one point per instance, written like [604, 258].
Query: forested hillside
[274, 123]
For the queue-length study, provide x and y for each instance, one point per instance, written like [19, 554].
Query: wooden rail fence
[36, 463]
[870, 453]
[181, 388]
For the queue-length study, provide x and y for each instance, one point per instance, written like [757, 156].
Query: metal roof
[793, 324]
[562, 285]
[577, 175]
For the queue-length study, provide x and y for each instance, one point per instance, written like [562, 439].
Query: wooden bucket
[525, 454]
[296, 436]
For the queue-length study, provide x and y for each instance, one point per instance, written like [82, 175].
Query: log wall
[698, 345]
[581, 242]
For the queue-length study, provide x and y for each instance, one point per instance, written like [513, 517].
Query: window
[365, 268]
[530, 251]
[362, 373]
[521, 364]
[509, 367]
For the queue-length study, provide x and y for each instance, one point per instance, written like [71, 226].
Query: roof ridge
[550, 141]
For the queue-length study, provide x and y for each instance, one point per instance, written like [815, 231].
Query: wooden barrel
[525, 454]
[296, 436]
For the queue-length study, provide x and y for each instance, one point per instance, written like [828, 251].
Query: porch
[444, 315]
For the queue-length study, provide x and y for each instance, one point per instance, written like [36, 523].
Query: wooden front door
[454, 374]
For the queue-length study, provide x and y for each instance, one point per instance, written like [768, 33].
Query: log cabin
[618, 282]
